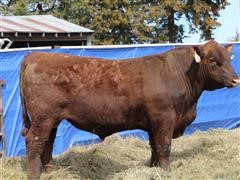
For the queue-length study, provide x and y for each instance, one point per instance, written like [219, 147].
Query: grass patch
[211, 155]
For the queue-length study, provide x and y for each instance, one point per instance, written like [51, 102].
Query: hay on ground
[212, 155]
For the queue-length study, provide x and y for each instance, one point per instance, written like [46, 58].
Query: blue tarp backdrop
[218, 109]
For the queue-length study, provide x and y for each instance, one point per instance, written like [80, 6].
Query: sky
[230, 23]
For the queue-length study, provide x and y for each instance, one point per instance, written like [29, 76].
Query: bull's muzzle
[236, 82]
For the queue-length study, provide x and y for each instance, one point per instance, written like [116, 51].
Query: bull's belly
[105, 127]
[106, 118]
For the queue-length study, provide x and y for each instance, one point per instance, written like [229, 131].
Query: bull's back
[85, 71]
[83, 79]
[85, 76]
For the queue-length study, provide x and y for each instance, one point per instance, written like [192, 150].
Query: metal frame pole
[2, 135]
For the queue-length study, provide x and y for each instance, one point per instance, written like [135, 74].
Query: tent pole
[2, 136]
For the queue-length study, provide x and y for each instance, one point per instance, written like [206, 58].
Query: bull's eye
[212, 61]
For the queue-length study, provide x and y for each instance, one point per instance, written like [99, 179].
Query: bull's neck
[191, 74]
[195, 82]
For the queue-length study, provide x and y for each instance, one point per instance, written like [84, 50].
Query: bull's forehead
[213, 48]
[212, 45]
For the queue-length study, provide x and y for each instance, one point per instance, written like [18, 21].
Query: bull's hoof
[163, 166]
[48, 168]
[166, 168]
[154, 164]
[33, 178]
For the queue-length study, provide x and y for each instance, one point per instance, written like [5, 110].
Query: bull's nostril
[236, 81]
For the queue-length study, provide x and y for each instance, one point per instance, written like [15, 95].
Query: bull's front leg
[160, 138]
[160, 154]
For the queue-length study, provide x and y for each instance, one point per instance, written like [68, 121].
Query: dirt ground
[211, 155]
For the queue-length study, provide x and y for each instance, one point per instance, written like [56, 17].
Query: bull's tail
[26, 119]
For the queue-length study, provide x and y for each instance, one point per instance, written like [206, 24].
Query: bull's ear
[198, 54]
[229, 47]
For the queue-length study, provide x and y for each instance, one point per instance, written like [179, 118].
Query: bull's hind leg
[37, 137]
[46, 156]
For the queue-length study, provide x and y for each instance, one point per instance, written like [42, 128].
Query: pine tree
[129, 21]
[236, 37]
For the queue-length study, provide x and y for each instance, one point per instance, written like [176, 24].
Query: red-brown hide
[155, 93]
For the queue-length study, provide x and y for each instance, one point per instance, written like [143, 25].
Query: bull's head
[215, 65]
